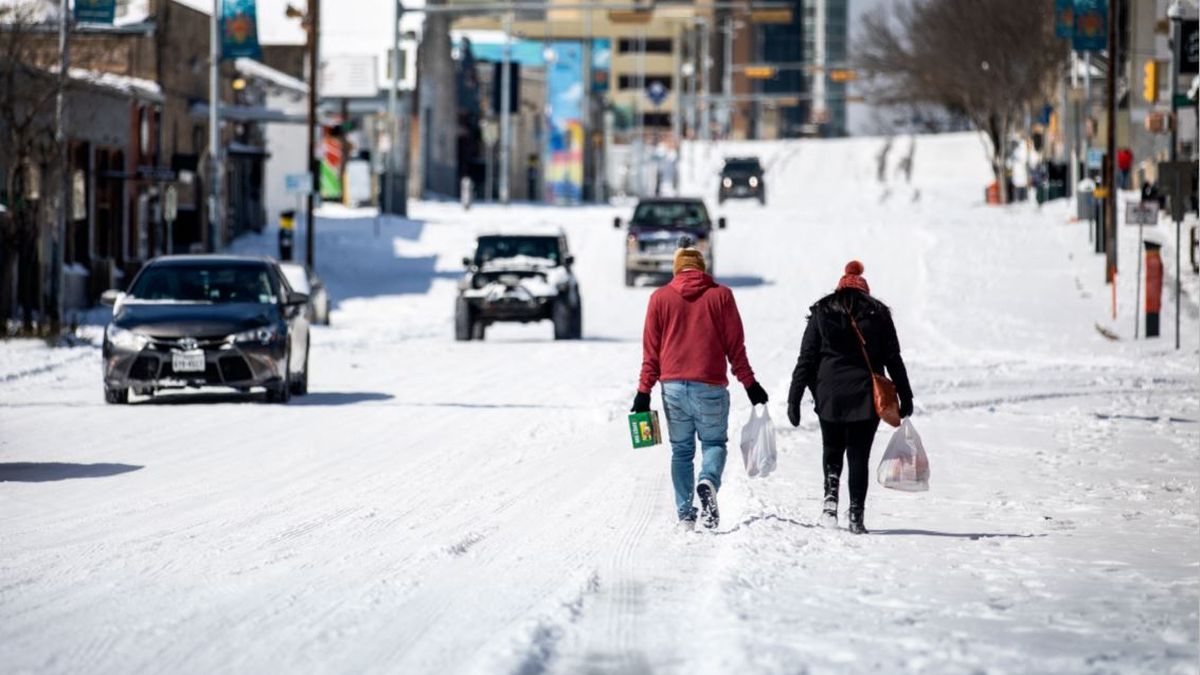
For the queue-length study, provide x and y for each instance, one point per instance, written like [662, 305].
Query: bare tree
[27, 93]
[986, 59]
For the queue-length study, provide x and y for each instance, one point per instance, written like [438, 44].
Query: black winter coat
[831, 360]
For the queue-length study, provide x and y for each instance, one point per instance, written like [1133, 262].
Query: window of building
[653, 46]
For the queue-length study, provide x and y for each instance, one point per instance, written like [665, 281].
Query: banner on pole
[564, 93]
[1064, 18]
[330, 176]
[95, 11]
[1091, 26]
[239, 29]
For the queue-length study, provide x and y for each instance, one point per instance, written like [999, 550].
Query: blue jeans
[695, 409]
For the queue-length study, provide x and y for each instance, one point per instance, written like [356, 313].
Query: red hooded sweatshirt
[692, 327]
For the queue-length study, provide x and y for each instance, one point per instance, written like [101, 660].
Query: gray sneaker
[686, 525]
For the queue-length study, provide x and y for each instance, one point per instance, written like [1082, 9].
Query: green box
[644, 429]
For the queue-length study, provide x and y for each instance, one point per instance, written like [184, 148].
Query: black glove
[758, 395]
[641, 403]
[905, 407]
[794, 413]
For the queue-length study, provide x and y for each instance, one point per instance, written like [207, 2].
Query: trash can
[1154, 284]
[287, 233]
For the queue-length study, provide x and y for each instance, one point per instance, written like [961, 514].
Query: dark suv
[520, 277]
[742, 178]
[654, 233]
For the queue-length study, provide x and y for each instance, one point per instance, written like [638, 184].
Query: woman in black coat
[832, 365]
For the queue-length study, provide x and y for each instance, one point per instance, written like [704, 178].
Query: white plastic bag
[758, 443]
[905, 466]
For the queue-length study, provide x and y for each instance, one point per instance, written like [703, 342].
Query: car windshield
[742, 166]
[297, 277]
[204, 282]
[671, 214]
[495, 248]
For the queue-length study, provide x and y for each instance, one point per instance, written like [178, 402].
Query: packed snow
[443, 507]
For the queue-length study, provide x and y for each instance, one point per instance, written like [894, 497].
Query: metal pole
[704, 109]
[820, 96]
[727, 79]
[505, 104]
[314, 164]
[1174, 13]
[1110, 176]
[585, 107]
[1087, 105]
[58, 280]
[392, 113]
[676, 90]
[216, 218]
[640, 141]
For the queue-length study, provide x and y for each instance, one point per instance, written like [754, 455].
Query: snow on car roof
[524, 231]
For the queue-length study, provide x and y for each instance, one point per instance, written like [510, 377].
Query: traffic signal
[1150, 81]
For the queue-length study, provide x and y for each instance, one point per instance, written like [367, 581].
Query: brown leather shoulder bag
[887, 403]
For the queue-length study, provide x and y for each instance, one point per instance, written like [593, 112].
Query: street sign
[298, 183]
[1175, 179]
[781, 15]
[1141, 213]
[170, 204]
[656, 92]
[1095, 158]
[1190, 39]
[759, 72]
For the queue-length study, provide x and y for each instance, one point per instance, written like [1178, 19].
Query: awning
[246, 113]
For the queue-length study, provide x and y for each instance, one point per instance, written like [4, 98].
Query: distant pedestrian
[1124, 168]
[844, 329]
[692, 329]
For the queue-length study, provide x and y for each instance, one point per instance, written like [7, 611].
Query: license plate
[188, 362]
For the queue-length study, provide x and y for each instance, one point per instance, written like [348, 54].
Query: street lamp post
[1175, 14]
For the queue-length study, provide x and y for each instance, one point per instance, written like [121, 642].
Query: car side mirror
[569, 260]
[721, 223]
[111, 297]
[295, 299]
[617, 222]
[467, 262]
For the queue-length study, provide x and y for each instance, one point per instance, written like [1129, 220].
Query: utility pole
[727, 78]
[314, 164]
[1175, 15]
[1110, 163]
[216, 218]
[505, 104]
[389, 194]
[58, 280]
[703, 105]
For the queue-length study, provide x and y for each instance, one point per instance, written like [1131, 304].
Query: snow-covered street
[435, 506]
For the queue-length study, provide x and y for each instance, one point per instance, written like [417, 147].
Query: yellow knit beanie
[689, 259]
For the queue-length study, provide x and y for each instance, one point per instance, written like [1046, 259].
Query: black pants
[851, 440]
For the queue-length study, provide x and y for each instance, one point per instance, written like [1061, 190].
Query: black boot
[830, 507]
[855, 516]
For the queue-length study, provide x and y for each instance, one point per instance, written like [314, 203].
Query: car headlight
[753, 181]
[263, 334]
[727, 182]
[631, 244]
[125, 339]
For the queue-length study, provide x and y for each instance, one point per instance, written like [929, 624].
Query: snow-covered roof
[252, 68]
[133, 86]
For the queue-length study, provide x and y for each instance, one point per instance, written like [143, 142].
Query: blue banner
[239, 29]
[564, 113]
[1091, 26]
[1064, 18]
[95, 11]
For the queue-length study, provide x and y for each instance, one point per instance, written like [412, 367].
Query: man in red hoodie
[692, 329]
